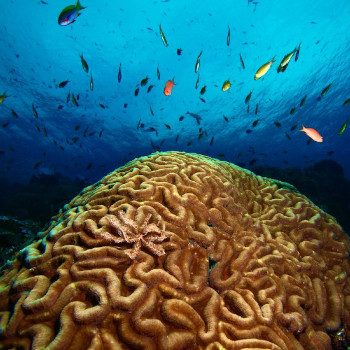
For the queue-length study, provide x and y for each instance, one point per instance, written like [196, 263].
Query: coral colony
[180, 251]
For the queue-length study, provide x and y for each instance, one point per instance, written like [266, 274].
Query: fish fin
[78, 6]
[273, 59]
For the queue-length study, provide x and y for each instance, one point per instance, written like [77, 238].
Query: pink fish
[312, 133]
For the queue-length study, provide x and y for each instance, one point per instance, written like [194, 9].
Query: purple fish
[69, 14]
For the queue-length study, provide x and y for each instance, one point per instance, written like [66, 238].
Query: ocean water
[90, 139]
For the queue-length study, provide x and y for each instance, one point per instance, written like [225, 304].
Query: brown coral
[180, 251]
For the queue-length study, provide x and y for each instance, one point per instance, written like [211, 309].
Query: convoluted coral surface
[180, 251]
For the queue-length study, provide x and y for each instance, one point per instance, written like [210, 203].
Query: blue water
[37, 54]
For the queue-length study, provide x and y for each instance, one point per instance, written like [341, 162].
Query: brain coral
[180, 251]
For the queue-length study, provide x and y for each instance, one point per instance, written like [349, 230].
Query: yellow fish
[226, 85]
[3, 97]
[263, 69]
[285, 61]
[162, 35]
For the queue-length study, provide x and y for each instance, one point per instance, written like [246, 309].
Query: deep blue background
[37, 53]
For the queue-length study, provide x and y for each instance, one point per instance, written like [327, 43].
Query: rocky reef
[181, 251]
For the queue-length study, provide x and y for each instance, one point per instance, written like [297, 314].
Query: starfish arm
[154, 248]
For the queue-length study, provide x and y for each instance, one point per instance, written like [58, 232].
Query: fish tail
[78, 6]
[302, 128]
[273, 59]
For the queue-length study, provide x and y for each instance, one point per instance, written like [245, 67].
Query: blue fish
[69, 14]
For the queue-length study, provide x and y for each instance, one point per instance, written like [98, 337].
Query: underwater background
[79, 100]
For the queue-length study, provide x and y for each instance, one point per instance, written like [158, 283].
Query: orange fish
[312, 133]
[168, 87]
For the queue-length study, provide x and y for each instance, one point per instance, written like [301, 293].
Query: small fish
[346, 102]
[198, 62]
[242, 62]
[293, 127]
[221, 155]
[257, 109]
[189, 143]
[120, 73]
[60, 107]
[226, 85]
[325, 90]
[3, 96]
[202, 99]
[125, 105]
[150, 87]
[225, 118]
[89, 166]
[297, 51]
[5, 125]
[14, 114]
[35, 112]
[69, 14]
[102, 106]
[74, 100]
[68, 97]
[91, 83]
[77, 127]
[249, 131]
[264, 69]
[168, 87]
[168, 126]
[285, 61]
[203, 90]
[144, 81]
[292, 111]
[288, 136]
[136, 92]
[343, 128]
[197, 82]
[211, 141]
[165, 41]
[248, 109]
[151, 129]
[84, 64]
[100, 134]
[277, 124]
[302, 102]
[228, 37]
[158, 73]
[177, 138]
[248, 97]
[255, 123]
[179, 52]
[195, 116]
[312, 133]
[63, 83]
[151, 110]
[201, 133]
[181, 118]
